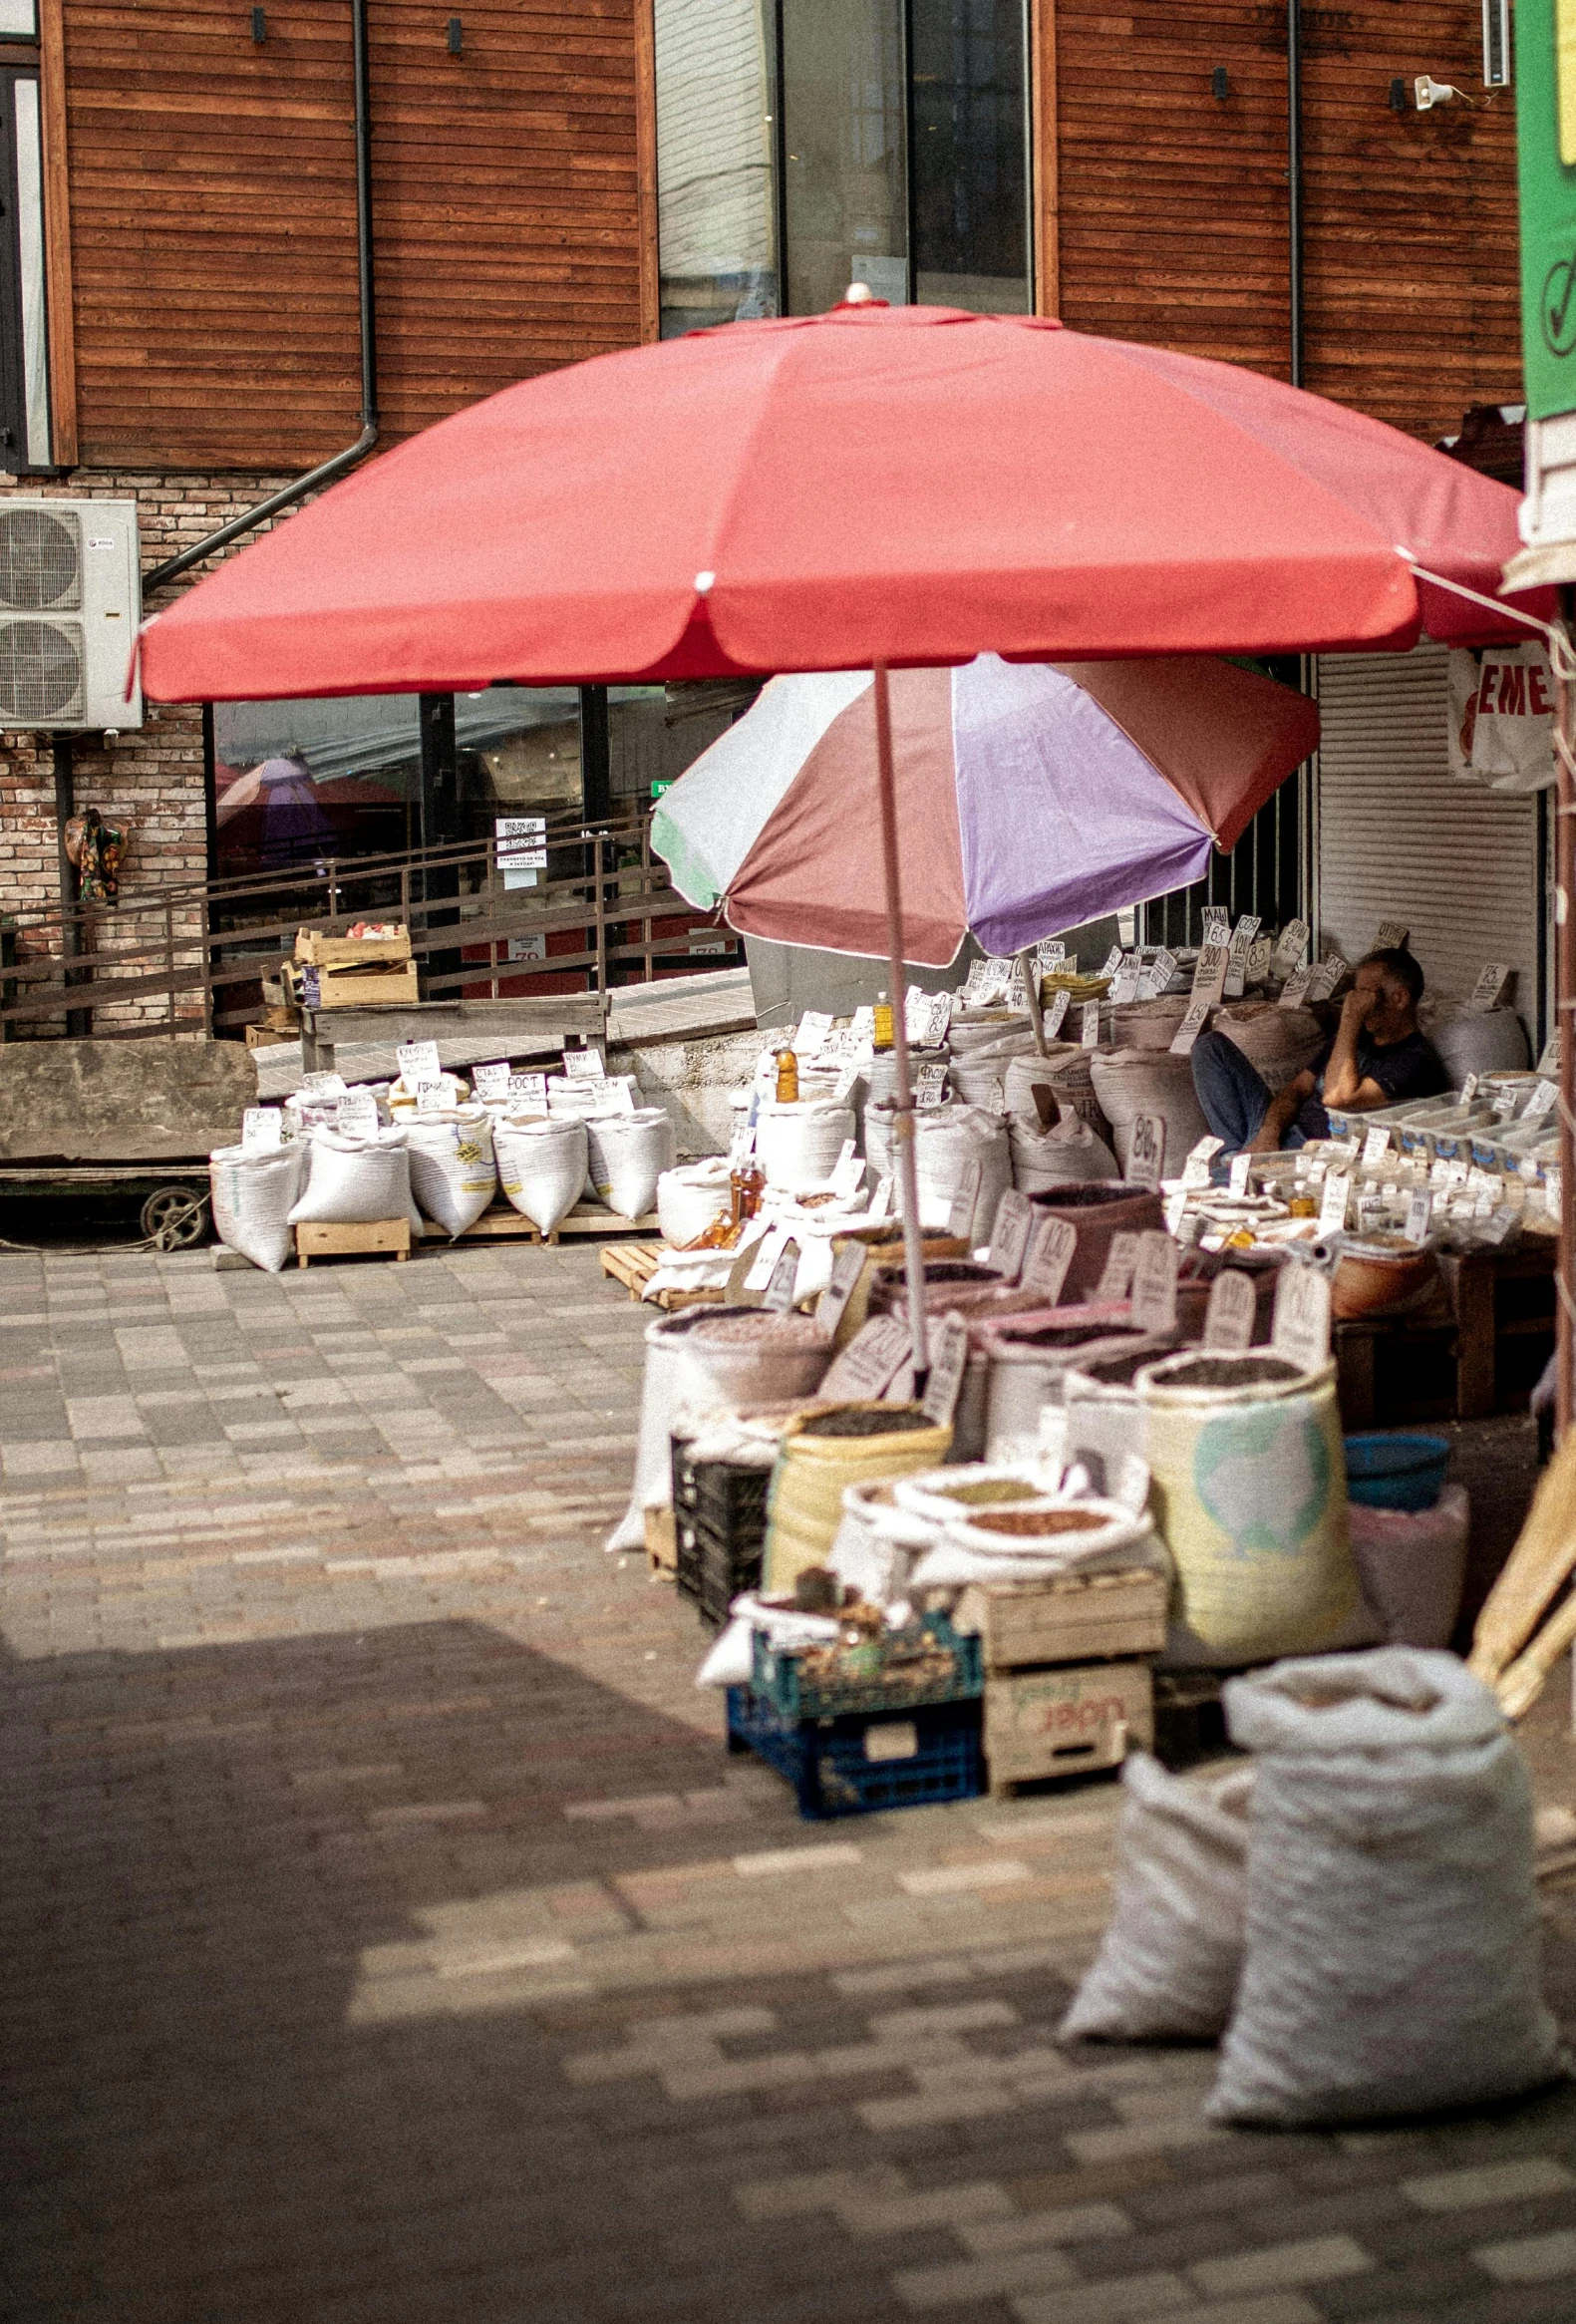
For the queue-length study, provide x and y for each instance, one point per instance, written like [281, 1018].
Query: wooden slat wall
[1172, 209]
[213, 217]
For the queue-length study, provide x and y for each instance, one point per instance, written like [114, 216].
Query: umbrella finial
[859, 294]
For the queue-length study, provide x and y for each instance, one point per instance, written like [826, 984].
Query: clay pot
[1374, 1278]
[1098, 1212]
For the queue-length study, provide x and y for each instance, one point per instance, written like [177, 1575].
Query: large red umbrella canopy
[903, 485]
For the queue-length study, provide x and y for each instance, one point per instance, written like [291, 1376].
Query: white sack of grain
[1130, 1082]
[542, 1167]
[352, 1181]
[1060, 1157]
[626, 1153]
[452, 1173]
[692, 1198]
[1278, 1043]
[253, 1195]
[946, 1140]
[1480, 1041]
[1064, 1069]
[1168, 1965]
[798, 1145]
[1391, 1963]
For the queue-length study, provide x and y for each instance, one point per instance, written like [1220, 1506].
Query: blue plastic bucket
[1395, 1473]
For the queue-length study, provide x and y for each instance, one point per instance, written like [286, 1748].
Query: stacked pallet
[1067, 1670]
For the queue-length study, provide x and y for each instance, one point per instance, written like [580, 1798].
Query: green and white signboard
[1546, 142]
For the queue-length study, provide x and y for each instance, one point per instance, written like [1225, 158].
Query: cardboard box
[359, 987]
[1066, 1721]
[1072, 1619]
[350, 951]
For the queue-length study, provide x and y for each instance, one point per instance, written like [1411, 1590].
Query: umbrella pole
[904, 1116]
[1029, 967]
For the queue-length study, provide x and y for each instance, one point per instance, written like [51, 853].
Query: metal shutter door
[1402, 839]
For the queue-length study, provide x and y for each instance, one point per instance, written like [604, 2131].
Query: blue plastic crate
[782, 1681]
[836, 1768]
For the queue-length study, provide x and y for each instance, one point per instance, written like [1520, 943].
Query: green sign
[1546, 146]
[660, 790]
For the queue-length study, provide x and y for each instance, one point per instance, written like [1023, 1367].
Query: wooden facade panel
[1172, 212]
[213, 210]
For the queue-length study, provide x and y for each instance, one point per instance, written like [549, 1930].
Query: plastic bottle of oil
[788, 1078]
[884, 1035]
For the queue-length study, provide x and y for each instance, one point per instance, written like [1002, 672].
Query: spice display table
[1474, 1350]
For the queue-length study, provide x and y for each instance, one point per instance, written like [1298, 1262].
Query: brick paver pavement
[386, 1936]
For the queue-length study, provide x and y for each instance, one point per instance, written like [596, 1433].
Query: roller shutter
[1400, 838]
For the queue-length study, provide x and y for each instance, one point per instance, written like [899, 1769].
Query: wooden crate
[265, 1037]
[662, 1544]
[350, 951]
[1073, 1618]
[360, 987]
[1064, 1721]
[320, 1241]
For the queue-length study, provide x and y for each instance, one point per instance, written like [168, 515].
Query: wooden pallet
[322, 1240]
[503, 1223]
[634, 1263]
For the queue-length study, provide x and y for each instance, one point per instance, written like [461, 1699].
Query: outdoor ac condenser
[70, 602]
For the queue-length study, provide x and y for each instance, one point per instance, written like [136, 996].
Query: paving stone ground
[384, 1935]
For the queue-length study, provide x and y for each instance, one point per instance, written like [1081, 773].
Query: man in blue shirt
[1378, 1057]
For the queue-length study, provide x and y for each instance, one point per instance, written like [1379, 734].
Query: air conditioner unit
[70, 603]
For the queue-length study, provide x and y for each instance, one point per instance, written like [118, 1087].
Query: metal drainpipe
[328, 470]
[1294, 181]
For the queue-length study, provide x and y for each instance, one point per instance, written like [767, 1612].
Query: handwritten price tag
[1049, 1257]
[868, 1364]
[418, 1063]
[1233, 1304]
[1155, 1282]
[832, 1305]
[1014, 1223]
[949, 1354]
[1147, 1150]
[262, 1128]
[1115, 1279]
[1055, 1014]
[491, 1083]
[1302, 1317]
[784, 1273]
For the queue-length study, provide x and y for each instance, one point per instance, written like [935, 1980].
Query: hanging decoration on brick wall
[94, 850]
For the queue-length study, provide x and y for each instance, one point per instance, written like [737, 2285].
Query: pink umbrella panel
[1032, 797]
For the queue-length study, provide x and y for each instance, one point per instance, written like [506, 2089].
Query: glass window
[716, 147]
[295, 783]
[25, 441]
[18, 20]
[970, 156]
[846, 193]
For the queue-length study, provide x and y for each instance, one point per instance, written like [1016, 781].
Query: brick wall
[151, 781]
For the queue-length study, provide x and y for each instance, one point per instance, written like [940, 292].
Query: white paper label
[868, 1364]
[263, 1128]
[1469, 1088]
[1491, 982]
[1233, 1305]
[1090, 1021]
[1113, 962]
[1125, 987]
[1290, 946]
[949, 1352]
[584, 1065]
[1499, 1224]
[1504, 1104]
[1049, 1257]
[522, 847]
[1196, 1169]
[847, 1169]
[1332, 1209]
[1050, 952]
[1296, 987]
[1155, 1282]
[930, 1086]
[1243, 936]
[323, 1085]
[358, 1112]
[1241, 1166]
[784, 1273]
[528, 1091]
[1543, 1100]
[1209, 972]
[1052, 1021]
[620, 1096]
[1175, 1210]
[846, 1081]
[491, 1082]
[1391, 935]
[1376, 1145]
[1325, 977]
[847, 1268]
[960, 1217]
[1115, 1279]
[1301, 1331]
[429, 1098]
[1147, 1150]
[418, 1063]
[892, 1739]
[767, 1253]
[1217, 924]
[1192, 1024]
[881, 1199]
[1551, 1190]
[1010, 1233]
[1163, 968]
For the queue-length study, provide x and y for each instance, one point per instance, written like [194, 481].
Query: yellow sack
[823, 1454]
[1249, 1492]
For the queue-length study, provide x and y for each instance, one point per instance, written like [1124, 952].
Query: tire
[175, 1217]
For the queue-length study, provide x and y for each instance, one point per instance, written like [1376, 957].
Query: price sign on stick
[832, 1305]
[1391, 935]
[1241, 1169]
[1209, 972]
[1543, 1100]
[1057, 1010]
[868, 1364]
[263, 1128]
[1332, 1208]
[584, 1065]
[949, 1352]
[1243, 936]
[1192, 1024]
[1228, 1319]
[847, 1170]
[1146, 1150]
[784, 1273]
[960, 1218]
[1155, 1282]
[429, 1098]
[1376, 1145]
[1116, 1275]
[1302, 1317]
[744, 1267]
[491, 1082]
[1091, 1033]
[1290, 946]
[1294, 991]
[930, 1085]
[1325, 977]
[1200, 1159]
[881, 1199]
[813, 1028]
[418, 1063]
[1010, 1233]
[1491, 982]
[528, 1090]
[1049, 1257]
[1417, 1213]
[358, 1112]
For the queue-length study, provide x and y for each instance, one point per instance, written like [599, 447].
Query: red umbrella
[862, 489]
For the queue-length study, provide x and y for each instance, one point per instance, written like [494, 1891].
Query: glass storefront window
[715, 143]
[18, 19]
[297, 782]
[895, 152]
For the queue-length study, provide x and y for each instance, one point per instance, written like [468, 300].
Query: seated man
[1376, 1058]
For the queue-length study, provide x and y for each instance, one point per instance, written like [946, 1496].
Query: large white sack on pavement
[352, 1181]
[626, 1153]
[453, 1174]
[542, 1167]
[253, 1195]
[1392, 1962]
[1172, 1955]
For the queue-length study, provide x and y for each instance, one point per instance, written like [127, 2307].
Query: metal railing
[178, 959]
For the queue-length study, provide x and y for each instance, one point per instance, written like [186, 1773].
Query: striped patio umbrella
[1031, 797]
